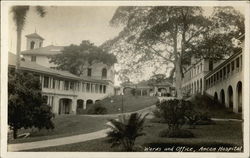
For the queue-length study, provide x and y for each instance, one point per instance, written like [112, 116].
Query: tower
[34, 41]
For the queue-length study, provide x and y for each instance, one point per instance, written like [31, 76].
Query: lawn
[223, 133]
[130, 103]
[205, 104]
[65, 125]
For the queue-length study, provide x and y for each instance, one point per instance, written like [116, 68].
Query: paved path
[75, 138]
[58, 141]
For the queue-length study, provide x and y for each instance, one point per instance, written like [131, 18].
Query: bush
[97, 109]
[156, 112]
[81, 111]
[174, 111]
[179, 133]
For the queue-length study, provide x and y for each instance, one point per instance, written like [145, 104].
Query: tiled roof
[31, 66]
[34, 35]
[48, 50]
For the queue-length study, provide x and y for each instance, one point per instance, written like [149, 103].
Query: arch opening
[89, 102]
[65, 105]
[239, 98]
[80, 103]
[215, 97]
[222, 97]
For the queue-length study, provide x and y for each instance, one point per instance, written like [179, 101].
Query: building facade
[66, 93]
[221, 81]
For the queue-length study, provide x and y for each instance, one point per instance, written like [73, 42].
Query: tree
[125, 133]
[26, 106]
[76, 59]
[19, 17]
[168, 34]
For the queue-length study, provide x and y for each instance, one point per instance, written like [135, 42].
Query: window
[241, 61]
[58, 84]
[232, 65]
[40, 44]
[46, 82]
[89, 72]
[92, 88]
[100, 89]
[104, 73]
[32, 45]
[238, 62]
[96, 88]
[72, 85]
[104, 89]
[218, 76]
[54, 83]
[224, 71]
[66, 85]
[33, 58]
[78, 86]
[88, 87]
[228, 68]
[221, 74]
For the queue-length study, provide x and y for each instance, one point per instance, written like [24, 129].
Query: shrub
[97, 109]
[81, 111]
[173, 111]
[156, 112]
[178, 133]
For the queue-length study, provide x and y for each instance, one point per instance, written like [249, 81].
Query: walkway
[58, 141]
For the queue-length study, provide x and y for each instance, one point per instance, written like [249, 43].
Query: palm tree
[19, 17]
[125, 132]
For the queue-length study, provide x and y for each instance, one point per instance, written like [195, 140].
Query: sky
[67, 25]
[63, 26]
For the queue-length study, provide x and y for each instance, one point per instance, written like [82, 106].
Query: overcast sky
[67, 25]
[70, 25]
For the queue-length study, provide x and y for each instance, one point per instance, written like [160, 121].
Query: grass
[221, 134]
[130, 103]
[65, 125]
[215, 110]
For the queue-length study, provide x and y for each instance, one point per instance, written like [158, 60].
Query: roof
[34, 35]
[48, 50]
[32, 66]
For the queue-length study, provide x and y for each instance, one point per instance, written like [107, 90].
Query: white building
[65, 92]
[222, 80]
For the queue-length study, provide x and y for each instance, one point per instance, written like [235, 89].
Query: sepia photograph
[151, 77]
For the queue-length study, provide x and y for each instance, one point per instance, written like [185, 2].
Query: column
[55, 106]
[73, 106]
[235, 100]
[84, 104]
[226, 98]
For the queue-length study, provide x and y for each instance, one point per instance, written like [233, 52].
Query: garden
[176, 126]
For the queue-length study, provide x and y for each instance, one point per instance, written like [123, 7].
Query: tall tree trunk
[18, 48]
[177, 64]
[178, 78]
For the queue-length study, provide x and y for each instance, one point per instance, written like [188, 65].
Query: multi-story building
[222, 80]
[65, 92]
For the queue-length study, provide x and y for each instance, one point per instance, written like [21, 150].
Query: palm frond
[41, 11]
[19, 15]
